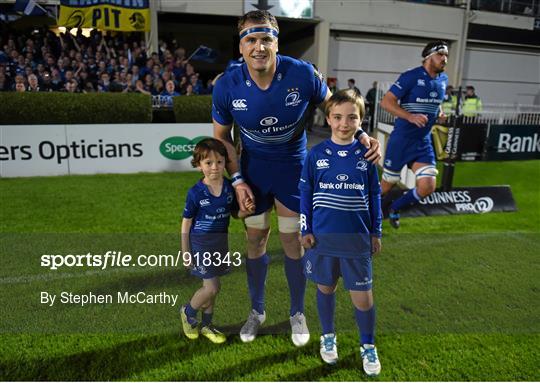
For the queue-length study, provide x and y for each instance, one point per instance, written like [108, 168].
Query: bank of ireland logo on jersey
[342, 177]
[239, 104]
[269, 121]
[293, 98]
[433, 94]
[323, 163]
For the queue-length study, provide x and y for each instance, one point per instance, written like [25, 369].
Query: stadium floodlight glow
[294, 8]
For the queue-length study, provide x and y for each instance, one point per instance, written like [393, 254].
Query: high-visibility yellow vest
[471, 106]
[449, 106]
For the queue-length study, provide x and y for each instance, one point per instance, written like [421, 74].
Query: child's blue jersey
[211, 216]
[271, 121]
[418, 93]
[340, 200]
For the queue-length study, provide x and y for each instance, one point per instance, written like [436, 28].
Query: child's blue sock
[365, 320]
[297, 284]
[326, 305]
[191, 314]
[206, 319]
[256, 276]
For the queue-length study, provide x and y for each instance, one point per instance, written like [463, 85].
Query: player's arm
[223, 133]
[375, 210]
[242, 189]
[184, 233]
[306, 205]
[390, 103]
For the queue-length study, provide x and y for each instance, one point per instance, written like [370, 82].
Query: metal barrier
[514, 114]
[508, 118]
[162, 102]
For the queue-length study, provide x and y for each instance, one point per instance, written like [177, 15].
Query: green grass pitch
[458, 297]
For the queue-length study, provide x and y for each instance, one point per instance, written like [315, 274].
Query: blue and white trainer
[329, 348]
[370, 359]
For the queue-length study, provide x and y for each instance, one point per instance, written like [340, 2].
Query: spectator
[19, 87]
[371, 98]
[4, 85]
[56, 60]
[472, 105]
[104, 83]
[141, 88]
[196, 84]
[33, 85]
[450, 101]
[351, 83]
[170, 89]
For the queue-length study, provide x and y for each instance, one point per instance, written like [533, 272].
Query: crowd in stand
[42, 61]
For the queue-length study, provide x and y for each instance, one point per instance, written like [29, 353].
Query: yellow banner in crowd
[113, 15]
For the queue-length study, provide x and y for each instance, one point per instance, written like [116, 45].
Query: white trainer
[249, 330]
[370, 359]
[329, 348]
[300, 332]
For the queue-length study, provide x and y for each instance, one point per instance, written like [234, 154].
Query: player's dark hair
[257, 17]
[343, 96]
[433, 44]
[203, 148]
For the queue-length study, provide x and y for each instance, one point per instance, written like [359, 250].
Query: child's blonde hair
[343, 96]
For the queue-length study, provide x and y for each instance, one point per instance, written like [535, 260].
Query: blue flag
[203, 53]
[29, 7]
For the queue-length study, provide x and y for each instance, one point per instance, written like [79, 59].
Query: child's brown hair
[203, 149]
[343, 96]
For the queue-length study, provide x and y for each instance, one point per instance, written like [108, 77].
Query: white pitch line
[53, 276]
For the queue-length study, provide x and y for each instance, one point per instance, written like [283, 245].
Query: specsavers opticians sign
[115, 15]
[45, 150]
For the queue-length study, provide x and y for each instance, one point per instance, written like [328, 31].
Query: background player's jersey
[340, 199]
[418, 93]
[271, 121]
[210, 216]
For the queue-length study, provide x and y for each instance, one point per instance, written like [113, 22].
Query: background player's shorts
[273, 179]
[402, 151]
[209, 266]
[326, 270]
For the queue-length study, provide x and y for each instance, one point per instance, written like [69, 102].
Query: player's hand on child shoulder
[308, 241]
[375, 245]
[374, 147]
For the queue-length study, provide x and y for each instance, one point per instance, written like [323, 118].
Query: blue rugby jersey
[418, 93]
[340, 199]
[271, 121]
[211, 216]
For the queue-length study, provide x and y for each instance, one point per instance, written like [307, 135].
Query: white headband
[265, 28]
